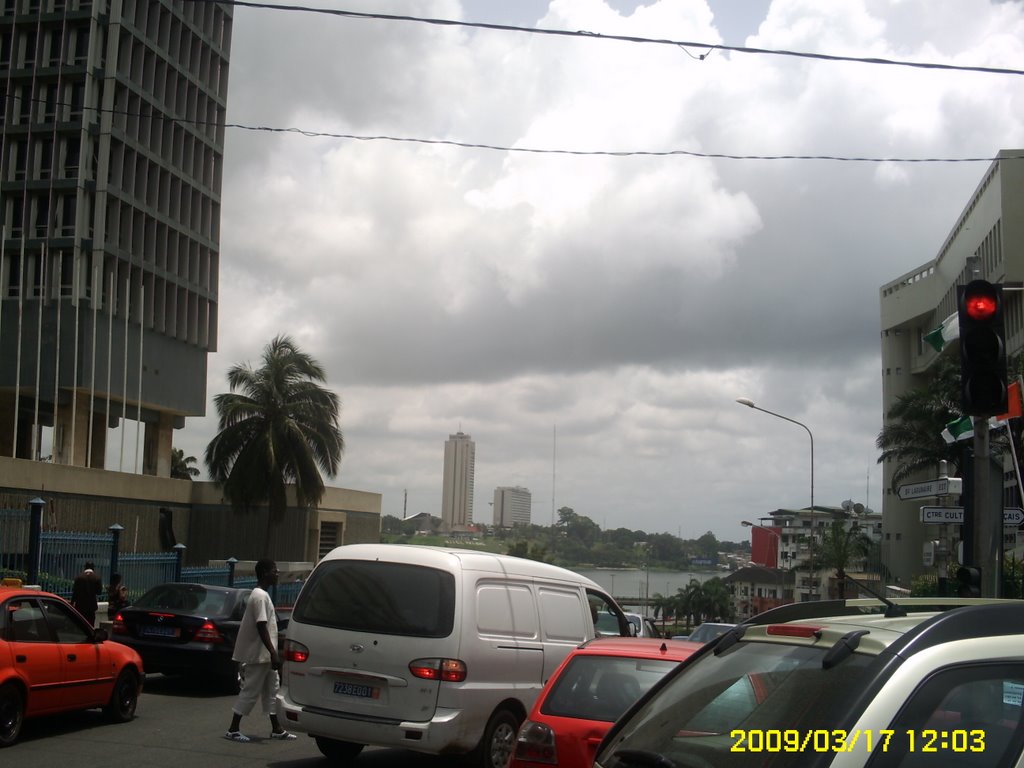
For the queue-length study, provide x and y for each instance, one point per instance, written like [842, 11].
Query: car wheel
[499, 741]
[339, 751]
[12, 714]
[124, 698]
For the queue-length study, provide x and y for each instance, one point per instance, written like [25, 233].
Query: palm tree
[840, 546]
[662, 606]
[718, 600]
[280, 427]
[181, 465]
[912, 436]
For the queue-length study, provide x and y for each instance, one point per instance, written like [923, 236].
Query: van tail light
[118, 626]
[445, 670]
[208, 633]
[295, 652]
[536, 744]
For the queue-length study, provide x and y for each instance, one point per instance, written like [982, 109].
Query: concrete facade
[457, 491]
[91, 500]
[111, 151]
[512, 506]
[792, 531]
[986, 241]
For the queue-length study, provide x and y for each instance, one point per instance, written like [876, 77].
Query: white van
[430, 649]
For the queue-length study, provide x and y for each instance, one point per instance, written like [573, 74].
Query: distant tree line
[577, 540]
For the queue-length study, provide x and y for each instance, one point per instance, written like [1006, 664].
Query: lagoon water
[626, 583]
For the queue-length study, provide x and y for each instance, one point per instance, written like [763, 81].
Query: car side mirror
[100, 635]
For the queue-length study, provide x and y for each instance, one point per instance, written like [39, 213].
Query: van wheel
[339, 751]
[499, 741]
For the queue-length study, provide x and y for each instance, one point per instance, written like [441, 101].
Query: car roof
[456, 557]
[915, 622]
[640, 647]
[6, 592]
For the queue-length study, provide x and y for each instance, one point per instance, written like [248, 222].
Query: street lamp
[750, 404]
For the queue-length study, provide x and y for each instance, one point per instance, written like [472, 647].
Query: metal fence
[52, 559]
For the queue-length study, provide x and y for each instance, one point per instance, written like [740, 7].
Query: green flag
[945, 333]
[961, 429]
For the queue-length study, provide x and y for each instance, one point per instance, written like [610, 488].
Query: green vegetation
[279, 429]
[574, 541]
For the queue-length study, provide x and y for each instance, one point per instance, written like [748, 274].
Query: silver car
[879, 683]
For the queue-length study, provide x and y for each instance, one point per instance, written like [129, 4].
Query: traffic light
[968, 581]
[982, 349]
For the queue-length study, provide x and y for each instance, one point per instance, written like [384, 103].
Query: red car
[51, 661]
[592, 688]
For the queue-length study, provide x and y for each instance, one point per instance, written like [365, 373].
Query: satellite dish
[848, 505]
[858, 508]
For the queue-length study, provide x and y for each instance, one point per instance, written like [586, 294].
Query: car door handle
[72, 657]
[20, 659]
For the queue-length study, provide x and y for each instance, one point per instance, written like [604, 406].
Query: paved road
[178, 726]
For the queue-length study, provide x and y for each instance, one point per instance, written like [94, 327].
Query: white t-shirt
[249, 647]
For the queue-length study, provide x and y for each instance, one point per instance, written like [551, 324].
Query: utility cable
[684, 44]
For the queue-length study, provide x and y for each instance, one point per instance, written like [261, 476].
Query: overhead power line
[684, 44]
[156, 114]
[621, 153]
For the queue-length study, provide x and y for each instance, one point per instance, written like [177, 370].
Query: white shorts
[260, 682]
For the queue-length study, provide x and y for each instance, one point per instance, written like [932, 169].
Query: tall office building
[457, 493]
[512, 506]
[986, 241]
[111, 148]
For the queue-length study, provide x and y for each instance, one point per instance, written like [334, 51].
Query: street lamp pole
[750, 404]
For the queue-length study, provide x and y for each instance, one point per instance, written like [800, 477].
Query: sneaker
[284, 736]
[237, 736]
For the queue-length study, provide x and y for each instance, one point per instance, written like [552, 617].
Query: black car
[185, 629]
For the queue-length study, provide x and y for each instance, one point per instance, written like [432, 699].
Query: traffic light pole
[986, 550]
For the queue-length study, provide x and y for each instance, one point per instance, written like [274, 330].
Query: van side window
[607, 617]
[562, 615]
[506, 610]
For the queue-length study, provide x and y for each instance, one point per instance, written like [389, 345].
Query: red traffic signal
[981, 305]
[983, 379]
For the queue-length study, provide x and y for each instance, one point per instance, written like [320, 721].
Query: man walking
[85, 593]
[256, 651]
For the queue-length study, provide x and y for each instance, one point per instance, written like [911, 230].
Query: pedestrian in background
[85, 593]
[117, 595]
[256, 651]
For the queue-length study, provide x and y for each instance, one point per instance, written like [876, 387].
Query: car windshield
[190, 598]
[752, 687]
[602, 687]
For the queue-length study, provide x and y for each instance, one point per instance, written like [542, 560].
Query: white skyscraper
[457, 494]
[511, 506]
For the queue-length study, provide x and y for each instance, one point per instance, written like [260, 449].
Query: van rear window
[382, 597]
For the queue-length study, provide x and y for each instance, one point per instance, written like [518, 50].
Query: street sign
[937, 515]
[1012, 516]
[943, 486]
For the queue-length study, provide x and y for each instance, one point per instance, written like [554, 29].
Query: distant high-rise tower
[112, 119]
[457, 495]
[512, 506]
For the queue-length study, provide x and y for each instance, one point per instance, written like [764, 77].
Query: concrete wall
[83, 499]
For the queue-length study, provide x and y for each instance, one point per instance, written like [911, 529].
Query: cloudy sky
[622, 303]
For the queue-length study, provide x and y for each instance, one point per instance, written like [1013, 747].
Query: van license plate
[354, 689]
